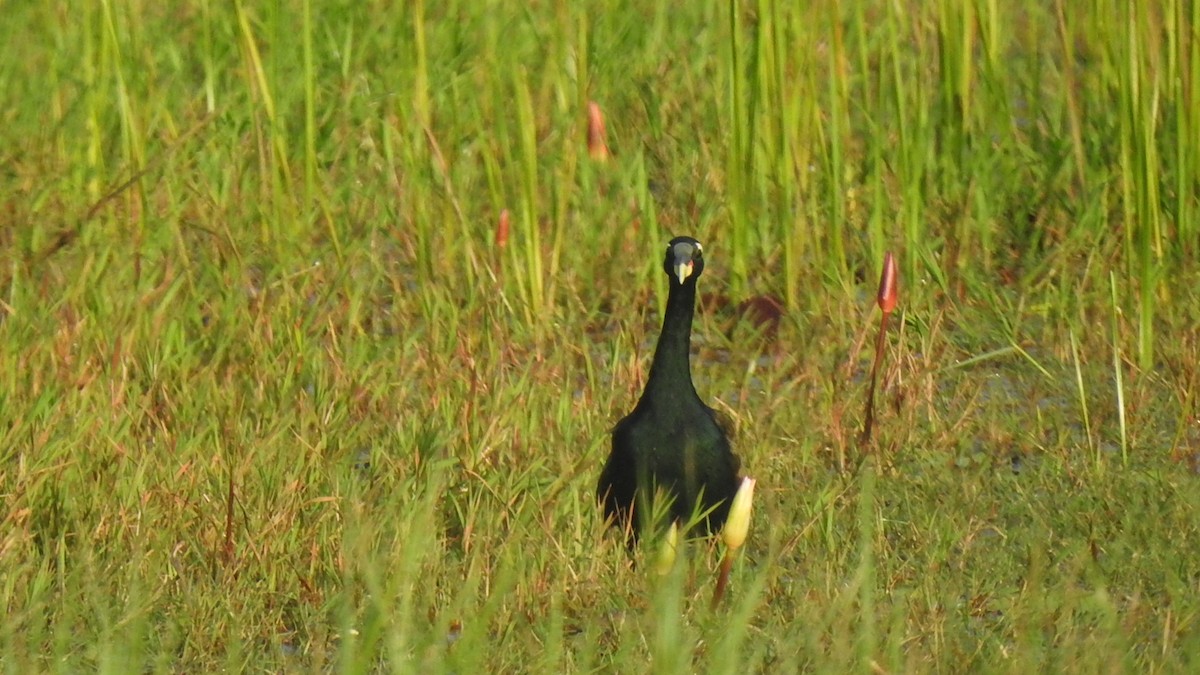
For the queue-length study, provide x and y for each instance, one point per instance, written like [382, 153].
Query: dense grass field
[279, 392]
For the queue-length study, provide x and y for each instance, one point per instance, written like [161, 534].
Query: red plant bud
[597, 139]
[502, 229]
[887, 285]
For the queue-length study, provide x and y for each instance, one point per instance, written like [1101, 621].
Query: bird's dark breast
[681, 450]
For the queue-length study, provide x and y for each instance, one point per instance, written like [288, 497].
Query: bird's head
[685, 259]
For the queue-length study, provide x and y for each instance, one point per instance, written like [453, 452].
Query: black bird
[672, 441]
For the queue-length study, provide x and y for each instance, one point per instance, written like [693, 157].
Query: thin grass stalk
[1118, 370]
[737, 155]
[310, 104]
[837, 94]
[314, 202]
[1067, 40]
[867, 638]
[94, 59]
[421, 105]
[670, 648]
[530, 245]
[1140, 95]
[876, 240]
[133, 145]
[869, 414]
[1081, 391]
[801, 120]
[272, 143]
[1185, 76]
[773, 179]
[912, 134]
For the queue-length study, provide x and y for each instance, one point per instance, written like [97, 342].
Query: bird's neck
[671, 369]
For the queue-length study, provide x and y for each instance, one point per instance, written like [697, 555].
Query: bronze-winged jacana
[671, 442]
